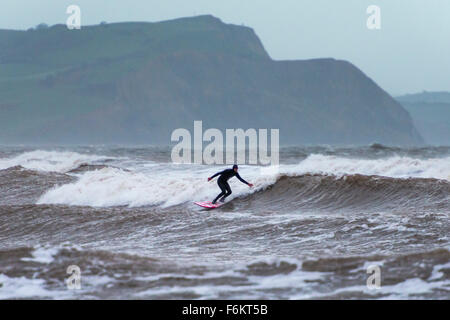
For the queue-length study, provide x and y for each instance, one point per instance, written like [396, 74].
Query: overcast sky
[410, 53]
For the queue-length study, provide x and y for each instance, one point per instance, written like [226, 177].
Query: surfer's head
[235, 167]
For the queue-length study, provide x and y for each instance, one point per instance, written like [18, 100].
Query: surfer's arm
[242, 180]
[215, 175]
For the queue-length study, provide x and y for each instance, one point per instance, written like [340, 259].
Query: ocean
[312, 228]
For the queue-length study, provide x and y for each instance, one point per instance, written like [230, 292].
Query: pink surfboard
[208, 204]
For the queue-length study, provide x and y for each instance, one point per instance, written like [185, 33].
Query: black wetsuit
[223, 184]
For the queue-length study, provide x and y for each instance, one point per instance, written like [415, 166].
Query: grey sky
[410, 53]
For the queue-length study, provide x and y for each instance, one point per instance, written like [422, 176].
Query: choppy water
[307, 231]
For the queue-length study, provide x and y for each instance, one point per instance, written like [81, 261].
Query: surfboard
[208, 204]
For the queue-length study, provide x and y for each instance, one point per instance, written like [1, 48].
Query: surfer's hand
[250, 185]
[209, 179]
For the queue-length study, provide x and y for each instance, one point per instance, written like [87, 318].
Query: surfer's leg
[227, 193]
[223, 191]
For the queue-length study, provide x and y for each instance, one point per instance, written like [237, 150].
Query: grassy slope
[127, 79]
[56, 73]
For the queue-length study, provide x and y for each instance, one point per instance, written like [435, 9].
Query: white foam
[49, 161]
[15, 288]
[405, 289]
[22, 287]
[402, 290]
[116, 187]
[437, 273]
[167, 184]
[254, 289]
[395, 167]
[42, 254]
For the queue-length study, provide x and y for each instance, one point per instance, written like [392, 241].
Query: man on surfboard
[223, 182]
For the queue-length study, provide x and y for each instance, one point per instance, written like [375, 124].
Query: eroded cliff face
[430, 112]
[137, 82]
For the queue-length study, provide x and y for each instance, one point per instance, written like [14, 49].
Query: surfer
[223, 184]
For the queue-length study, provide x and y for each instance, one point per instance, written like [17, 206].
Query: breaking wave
[50, 161]
[318, 180]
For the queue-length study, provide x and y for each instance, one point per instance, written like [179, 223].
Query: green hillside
[136, 82]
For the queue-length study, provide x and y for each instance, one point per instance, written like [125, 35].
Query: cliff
[136, 82]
